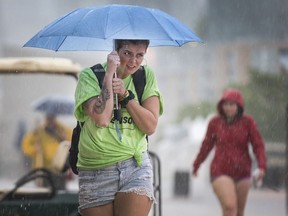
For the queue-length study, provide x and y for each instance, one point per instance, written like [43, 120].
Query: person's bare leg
[105, 210]
[242, 190]
[131, 204]
[225, 191]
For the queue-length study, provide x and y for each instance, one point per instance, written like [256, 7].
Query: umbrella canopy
[97, 28]
[54, 105]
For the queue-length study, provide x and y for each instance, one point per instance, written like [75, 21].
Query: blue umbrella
[97, 28]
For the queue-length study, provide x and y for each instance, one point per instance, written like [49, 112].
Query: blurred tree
[192, 111]
[266, 99]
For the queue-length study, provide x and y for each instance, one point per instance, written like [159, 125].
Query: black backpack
[139, 80]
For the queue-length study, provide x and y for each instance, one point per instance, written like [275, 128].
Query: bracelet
[126, 94]
[130, 96]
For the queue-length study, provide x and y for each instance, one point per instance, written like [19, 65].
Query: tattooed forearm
[99, 102]
[105, 93]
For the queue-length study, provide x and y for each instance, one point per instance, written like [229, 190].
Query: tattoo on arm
[105, 93]
[100, 101]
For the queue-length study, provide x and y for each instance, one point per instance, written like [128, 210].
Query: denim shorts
[99, 187]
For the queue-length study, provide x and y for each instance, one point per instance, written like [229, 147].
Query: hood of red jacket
[231, 95]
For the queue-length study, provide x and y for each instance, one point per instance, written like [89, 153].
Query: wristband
[130, 96]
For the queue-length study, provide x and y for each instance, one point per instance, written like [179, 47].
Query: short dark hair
[120, 43]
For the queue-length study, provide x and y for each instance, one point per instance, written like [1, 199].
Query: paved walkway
[202, 202]
[260, 203]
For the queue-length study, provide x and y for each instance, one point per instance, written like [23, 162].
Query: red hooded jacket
[231, 142]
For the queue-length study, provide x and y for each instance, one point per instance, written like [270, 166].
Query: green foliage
[266, 99]
[192, 111]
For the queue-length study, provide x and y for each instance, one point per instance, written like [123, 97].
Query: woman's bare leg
[242, 190]
[131, 204]
[105, 210]
[225, 191]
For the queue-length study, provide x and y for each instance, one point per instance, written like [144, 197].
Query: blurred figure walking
[230, 133]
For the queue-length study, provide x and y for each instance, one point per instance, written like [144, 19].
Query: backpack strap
[99, 73]
[139, 79]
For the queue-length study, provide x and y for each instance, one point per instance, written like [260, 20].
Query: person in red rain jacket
[230, 133]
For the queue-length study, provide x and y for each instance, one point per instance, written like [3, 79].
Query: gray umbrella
[54, 105]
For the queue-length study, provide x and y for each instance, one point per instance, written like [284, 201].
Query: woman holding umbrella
[230, 133]
[115, 175]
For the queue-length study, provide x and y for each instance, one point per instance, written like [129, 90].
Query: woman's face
[131, 57]
[230, 109]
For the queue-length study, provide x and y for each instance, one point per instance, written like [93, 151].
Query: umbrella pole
[117, 114]
[115, 95]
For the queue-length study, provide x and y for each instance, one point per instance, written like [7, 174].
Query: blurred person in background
[230, 133]
[41, 146]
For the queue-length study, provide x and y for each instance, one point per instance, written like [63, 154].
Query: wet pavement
[201, 200]
[262, 202]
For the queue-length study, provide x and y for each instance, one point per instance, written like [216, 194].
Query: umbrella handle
[116, 102]
[117, 114]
